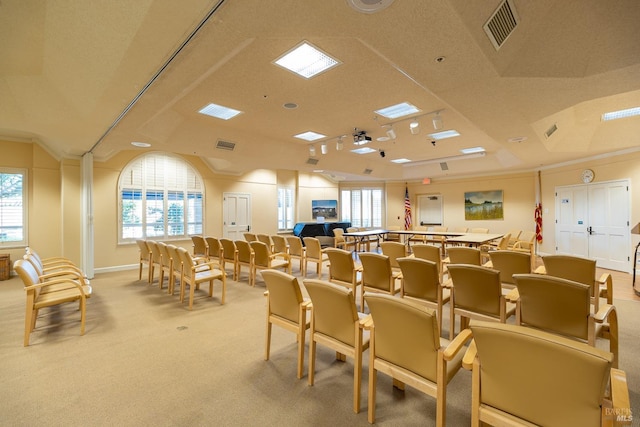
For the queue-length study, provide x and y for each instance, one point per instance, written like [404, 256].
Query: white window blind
[362, 207]
[286, 202]
[13, 212]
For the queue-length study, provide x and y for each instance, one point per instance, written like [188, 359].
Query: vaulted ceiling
[86, 76]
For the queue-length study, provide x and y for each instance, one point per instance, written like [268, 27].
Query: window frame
[25, 208]
[354, 210]
[292, 198]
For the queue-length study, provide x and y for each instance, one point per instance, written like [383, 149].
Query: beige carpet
[145, 360]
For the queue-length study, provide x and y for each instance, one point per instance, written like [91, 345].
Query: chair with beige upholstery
[245, 258]
[582, 270]
[378, 275]
[514, 235]
[200, 249]
[280, 246]
[336, 324]
[176, 273]
[526, 243]
[166, 265]
[194, 273]
[394, 250]
[509, 263]
[145, 258]
[417, 356]
[550, 380]
[249, 237]
[563, 307]
[421, 282]
[297, 251]
[314, 253]
[477, 294]
[479, 230]
[229, 256]
[391, 236]
[437, 240]
[419, 238]
[355, 241]
[266, 239]
[61, 268]
[343, 270]
[156, 259]
[286, 308]
[263, 259]
[430, 253]
[463, 255]
[500, 245]
[341, 242]
[49, 293]
[214, 249]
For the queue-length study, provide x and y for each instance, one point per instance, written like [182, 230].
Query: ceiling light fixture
[339, 144]
[414, 127]
[437, 121]
[323, 148]
[312, 150]
[306, 60]
[390, 132]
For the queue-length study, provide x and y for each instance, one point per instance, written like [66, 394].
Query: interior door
[430, 209]
[571, 221]
[236, 209]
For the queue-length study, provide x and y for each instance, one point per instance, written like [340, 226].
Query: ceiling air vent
[225, 145]
[367, 171]
[550, 131]
[312, 161]
[444, 166]
[501, 24]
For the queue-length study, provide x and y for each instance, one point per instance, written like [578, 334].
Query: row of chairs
[567, 378]
[180, 268]
[51, 282]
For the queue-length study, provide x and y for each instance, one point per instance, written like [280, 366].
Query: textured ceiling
[80, 76]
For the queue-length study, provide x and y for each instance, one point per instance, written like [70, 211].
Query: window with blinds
[13, 208]
[161, 197]
[362, 207]
[286, 203]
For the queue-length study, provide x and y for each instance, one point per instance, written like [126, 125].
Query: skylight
[399, 110]
[400, 161]
[621, 114]
[444, 134]
[306, 61]
[310, 136]
[363, 150]
[219, 111]
[472, 150]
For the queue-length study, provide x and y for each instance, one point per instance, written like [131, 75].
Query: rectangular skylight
[472, 150]
[310, 136]
[219, 111]
[399, 110]
[306, 61]
[400, 161]
[444, 134]
[621, 114]
[363, 150]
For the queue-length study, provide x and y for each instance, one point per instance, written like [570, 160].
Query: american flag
[407, 210]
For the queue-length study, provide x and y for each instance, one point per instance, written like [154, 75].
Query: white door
[593, 222]
[236, 212]
[430, 209]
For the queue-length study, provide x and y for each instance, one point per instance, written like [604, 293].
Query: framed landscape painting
[327, 209]
[483, 205]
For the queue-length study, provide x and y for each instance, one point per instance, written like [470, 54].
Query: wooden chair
[393, 237]
[250, 237]
[264, 260]
[166, 264]
[156, 259]
[314, 253]
[176, 272]
[514, 235]
[229, 255]
[286, 308]
[145, 258]
[394, 250]
[551, 380]
[464, 255]
[49, 293]
[62, 268]
[430, 253]
[341, 242]
[419, 238]
[421, 282]
[297, 251]
[479, 230]
[500, 245]
[266, 239]
[193, 274]
[280, 246]
[200, 249]
[245, 257]
[477, 294]
[336, 323]
[509, 263]
[437, 240]
[214, 249]
[563, 307]
[343, 270]
[378, 275]
[417, 356]
[526, 243]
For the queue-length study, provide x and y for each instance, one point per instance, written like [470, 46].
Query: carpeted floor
[146, 360]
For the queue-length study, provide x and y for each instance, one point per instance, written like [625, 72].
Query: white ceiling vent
[501, 24]
[444, 166]
[312, 161]
[551, 131]
[225, 145]
[369, 6]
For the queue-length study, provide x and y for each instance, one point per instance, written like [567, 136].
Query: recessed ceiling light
[219, 111]
[472, 150]
[621, 114]
[400, 161]
[399, 110]
[290, 105]
[443, 135]
[310, 136]
[141, 144]
[306, 60]
[363, 150]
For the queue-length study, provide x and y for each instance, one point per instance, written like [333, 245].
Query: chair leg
[301, 346]
[267, 344]
[373, 379]
[224, 289]
[312, 359]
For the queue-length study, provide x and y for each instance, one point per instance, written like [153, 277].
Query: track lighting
[414, 127]
[382, 153]
[312, 150]
[437, 121]
[339, 144]
[391, 133]
[323, 148]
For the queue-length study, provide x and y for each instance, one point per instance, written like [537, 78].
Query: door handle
[590, 230]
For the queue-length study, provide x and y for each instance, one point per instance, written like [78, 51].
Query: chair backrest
[559, 382]
[228, 249]
[428, 252]
[568, 267]
[143, 248]
[416, 348]
[199, 246]
[341, 264]
[376, 271]
[393, 250]
[526, 239]
[480, 230]
[214, 247]
[464, 255]
[514, 235]
[420, 277]
[279, 244]
[244, 251]
[187, 262]
[155, 251]
[27, 273]
[554, 304]
[509, 263]
[352, 229]
[264, 238]
[285, 295]
[440, 228]
[172, 250]
[313, 247]
[262, 254]
[334, 310]
[476, 288]
[460, 229]
[503, 243]
[164, 254]
[338, 236]
[250, 237]
[295, 245]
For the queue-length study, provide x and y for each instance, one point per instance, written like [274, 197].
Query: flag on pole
[407, 210]
[538, 218]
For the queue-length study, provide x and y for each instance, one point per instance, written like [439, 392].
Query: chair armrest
[56, 282]
[606, 280]
[469, 356]
[306, 305]
[603, 312]
[366, 322]
[457, 344]
[68, 274]
[620, 392]
[540, 270]
[513, 295]
[488, 264]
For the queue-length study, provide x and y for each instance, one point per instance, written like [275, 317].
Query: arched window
[160, 196]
